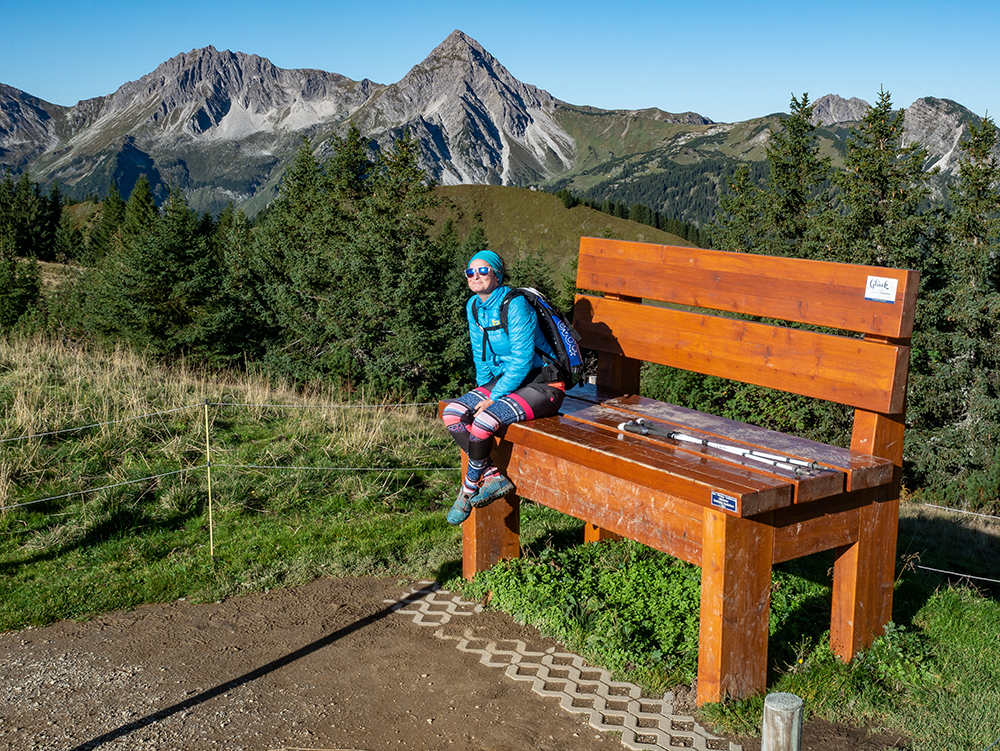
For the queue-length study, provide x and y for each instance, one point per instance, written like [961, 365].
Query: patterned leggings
[473, 432]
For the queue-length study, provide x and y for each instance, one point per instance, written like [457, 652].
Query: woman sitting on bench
[514, 383]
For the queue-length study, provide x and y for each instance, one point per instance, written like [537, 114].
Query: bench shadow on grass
[941, 548]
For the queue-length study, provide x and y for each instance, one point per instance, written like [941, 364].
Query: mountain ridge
[222, 125]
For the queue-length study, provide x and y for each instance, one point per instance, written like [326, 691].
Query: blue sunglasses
[481, 270]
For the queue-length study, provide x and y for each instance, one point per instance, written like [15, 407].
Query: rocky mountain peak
[222, 125]
[223, 94]
[460, 62]
[477, 122]
[832, 109]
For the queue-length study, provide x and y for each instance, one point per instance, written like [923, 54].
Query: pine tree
[68, 239]
[290, 261]
[160, 291]
[20, 285]
[777, 219]
[397, 336]
[456, 290]
[742, 221]
[26, 218]
[140, 214]
[956, 396]
[878, 220]
[974, 224]
[111, 216]
[239, 318]
[49, 218]
[353, 284]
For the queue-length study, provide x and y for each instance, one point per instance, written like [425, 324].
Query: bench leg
[735, 605]
[863, 576]
[864, 572]
[593, 533]
[492, 533]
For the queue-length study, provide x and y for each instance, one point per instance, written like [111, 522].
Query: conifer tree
[26, 218]
[877, 219]
[741, 224]
[68, 240]
[140, 213]
[397, 338]
[350, 277]
[289, 260]
[20, 285]
[160, 291]
[112, 214]
[452, 247]
[777, 219]
[955, 402]
[239, 320]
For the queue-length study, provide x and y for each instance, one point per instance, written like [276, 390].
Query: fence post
[208, 466]
[782, 723]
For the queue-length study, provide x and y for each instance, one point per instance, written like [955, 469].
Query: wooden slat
[791, 289]
[863, 374]
[808, 486]
[585, 395]
[676, 473]
[862, 469]
[608, 502]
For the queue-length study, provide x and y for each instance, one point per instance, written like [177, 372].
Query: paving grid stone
[612, 706]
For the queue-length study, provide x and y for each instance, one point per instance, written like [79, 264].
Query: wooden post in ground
[782, 729]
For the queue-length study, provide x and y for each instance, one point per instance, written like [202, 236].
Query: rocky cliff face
[222, 125]
[205, 121]
[832, 109]
[27, 127]
[938, 125]
[207, 94]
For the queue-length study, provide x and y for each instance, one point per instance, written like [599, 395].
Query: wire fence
[103, 487]
[97, 424]
[208, 465]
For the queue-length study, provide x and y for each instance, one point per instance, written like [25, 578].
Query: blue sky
[726, 60]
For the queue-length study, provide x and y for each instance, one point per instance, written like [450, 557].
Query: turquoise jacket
[509, 355]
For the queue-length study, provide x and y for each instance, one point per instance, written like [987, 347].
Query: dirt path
[320, 667]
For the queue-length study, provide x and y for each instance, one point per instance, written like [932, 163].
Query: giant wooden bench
[733, 516]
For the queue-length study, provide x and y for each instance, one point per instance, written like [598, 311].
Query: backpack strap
[487, 329]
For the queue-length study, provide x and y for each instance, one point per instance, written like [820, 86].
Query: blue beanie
[495, 262]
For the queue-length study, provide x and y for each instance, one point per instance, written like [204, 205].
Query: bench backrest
[655, 298]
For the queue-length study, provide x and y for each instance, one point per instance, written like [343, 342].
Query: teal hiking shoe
[460, 510]
[492, 490]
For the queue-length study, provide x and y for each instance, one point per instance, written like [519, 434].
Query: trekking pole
[790, 463]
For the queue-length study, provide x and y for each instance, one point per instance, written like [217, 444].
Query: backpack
[558, 332]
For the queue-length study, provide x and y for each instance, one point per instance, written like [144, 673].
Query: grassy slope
[518, 220]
